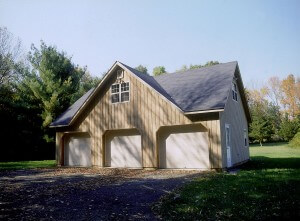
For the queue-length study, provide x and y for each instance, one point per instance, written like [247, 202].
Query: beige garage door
[77, 151]
[124, 150]
[179, 149]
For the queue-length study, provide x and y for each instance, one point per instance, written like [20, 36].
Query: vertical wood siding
[147, 111]
[58, 146]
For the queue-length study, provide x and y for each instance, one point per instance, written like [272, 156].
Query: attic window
[115, 88]
[125, 91]
[234, 91]
[120, 92]
[115, 91]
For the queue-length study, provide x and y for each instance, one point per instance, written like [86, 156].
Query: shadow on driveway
[103, 194]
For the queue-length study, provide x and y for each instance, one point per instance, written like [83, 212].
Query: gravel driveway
[85, 194]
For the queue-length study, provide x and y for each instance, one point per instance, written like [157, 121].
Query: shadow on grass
[260, 162]
[278, 144]
[249, 195]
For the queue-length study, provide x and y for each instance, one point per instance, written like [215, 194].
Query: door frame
[114, 133]
[228, 145]
[62, 144]
[66, 139]
[183, 128]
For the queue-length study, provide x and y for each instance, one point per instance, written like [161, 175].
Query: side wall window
[234, 91]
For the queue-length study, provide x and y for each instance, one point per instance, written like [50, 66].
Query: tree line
[159, 70]
[275, 110]
[35, 87]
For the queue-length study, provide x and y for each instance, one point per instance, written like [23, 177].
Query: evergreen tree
[288, 128]
[260, 128]
[54, 81]
[86, 83]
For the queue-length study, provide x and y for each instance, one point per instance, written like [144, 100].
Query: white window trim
[235, 91]
[119, 93]
[112, 93]
[124, 92]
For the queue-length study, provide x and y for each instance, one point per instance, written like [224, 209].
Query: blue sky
[263, 36]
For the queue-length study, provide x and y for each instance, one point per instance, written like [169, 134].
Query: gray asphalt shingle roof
[192, 90]
[152, 82]
[199, 89]
[65, 118]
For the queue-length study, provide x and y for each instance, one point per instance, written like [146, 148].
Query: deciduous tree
[159, 70]
[142, 69]
[207, 64]
[195, 66]
[290, 99]
[183, 68]
[274, 90]
[10, 56]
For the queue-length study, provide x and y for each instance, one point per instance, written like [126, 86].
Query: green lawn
[267, 188]
[280, 151]
[26, 164]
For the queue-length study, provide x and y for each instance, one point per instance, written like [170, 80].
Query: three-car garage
[178, 147]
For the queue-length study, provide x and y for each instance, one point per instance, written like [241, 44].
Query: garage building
[195, 119]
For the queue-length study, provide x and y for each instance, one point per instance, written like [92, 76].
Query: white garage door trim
[124, 151]
[186, 151]
[77, 151]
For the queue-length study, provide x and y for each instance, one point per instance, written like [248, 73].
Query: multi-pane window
[124, 96]
[115, 88]
[120, 92]
[125, 91]
[125, 86]
[234, 91]
[115, 91]
[115, 98]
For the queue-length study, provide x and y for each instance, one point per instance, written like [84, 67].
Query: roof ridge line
[176, 72]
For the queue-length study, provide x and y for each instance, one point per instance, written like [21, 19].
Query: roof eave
[243, 96]
[54, 126]
[90, 97]
[204, 111]
[103, 81]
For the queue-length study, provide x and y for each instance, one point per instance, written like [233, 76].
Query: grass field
[267, 188]
[281, 150]
[26, 164]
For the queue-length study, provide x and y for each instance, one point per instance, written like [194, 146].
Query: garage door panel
[186, 150]
[78, 152]
[125, 151]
